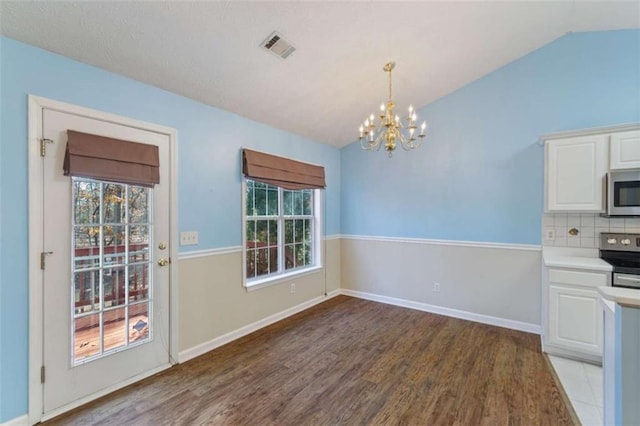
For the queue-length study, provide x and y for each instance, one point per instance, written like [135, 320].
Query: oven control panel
[623, 242]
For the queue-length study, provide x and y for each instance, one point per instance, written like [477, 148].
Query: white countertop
[570, 259]
[622, 296]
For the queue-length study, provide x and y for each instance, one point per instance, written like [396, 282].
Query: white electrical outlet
[436, 287]
[293, 287]
[189, 238]
[549, 234]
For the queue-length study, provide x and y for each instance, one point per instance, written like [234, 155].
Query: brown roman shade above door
[280, 171]
[116, 160]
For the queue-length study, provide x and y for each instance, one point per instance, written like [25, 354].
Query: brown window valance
[280, 171]
[104, 158]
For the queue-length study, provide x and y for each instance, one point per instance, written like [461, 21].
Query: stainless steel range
[622, 251]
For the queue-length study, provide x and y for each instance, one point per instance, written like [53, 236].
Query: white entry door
[105, 290]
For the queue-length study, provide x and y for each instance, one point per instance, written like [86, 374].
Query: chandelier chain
[389, 72]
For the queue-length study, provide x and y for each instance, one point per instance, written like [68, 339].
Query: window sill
[279, 279]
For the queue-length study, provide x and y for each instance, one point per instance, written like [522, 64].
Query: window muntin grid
[279, 230]
[112, 277]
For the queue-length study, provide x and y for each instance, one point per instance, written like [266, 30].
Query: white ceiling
[209, 51]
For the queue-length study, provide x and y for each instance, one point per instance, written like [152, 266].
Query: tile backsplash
[589, 226]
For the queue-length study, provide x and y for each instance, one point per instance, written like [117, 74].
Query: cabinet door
[625, 150]
[575, 319]
[575, 172]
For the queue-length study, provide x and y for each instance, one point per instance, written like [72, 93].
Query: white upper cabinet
[625, 150]
[575, 172]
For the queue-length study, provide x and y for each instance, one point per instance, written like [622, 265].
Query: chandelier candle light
[390, 129]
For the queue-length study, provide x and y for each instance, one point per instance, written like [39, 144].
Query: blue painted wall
[209, 193]
[479, 175]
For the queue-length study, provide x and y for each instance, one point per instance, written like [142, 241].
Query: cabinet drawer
[585, 279]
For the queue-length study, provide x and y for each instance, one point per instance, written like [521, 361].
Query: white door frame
[36, 107]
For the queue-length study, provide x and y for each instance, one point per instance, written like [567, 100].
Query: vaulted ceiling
[211, 51]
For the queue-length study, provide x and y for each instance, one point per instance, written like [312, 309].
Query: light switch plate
[189, 238]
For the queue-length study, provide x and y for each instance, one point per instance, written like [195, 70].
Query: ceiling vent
[278, 46]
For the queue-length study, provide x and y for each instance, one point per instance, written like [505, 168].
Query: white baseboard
[17, 421]
[205, 347]
[449, 312]
[567, 353]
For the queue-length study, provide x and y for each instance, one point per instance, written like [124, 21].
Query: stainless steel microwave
[623, 193]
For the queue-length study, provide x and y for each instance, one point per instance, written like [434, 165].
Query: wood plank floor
[349, 361]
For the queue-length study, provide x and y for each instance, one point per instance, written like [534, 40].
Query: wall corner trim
[449, 312]
[205, 347]
[17, 421]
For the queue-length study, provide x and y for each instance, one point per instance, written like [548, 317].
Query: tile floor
[583, 384]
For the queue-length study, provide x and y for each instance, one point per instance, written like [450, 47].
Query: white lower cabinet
[574, 322]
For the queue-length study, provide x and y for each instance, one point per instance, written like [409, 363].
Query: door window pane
[138, 244]
[86, 244]
[138, 322]
[86, 206]
[138, 282]
[113, 203]
[114, 249]
[113, 280]
[114, 334]
[86, 291]
[138, 204]
[86, 333]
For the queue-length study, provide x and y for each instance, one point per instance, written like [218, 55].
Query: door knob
[163, 262]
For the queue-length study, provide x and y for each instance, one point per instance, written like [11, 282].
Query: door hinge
[42, 374]
[43, 257]
[43, 146]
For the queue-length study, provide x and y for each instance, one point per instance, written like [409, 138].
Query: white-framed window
[281, 232]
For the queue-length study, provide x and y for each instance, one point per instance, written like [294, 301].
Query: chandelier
[390, 129]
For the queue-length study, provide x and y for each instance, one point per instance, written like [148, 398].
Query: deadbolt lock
[162, 246]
